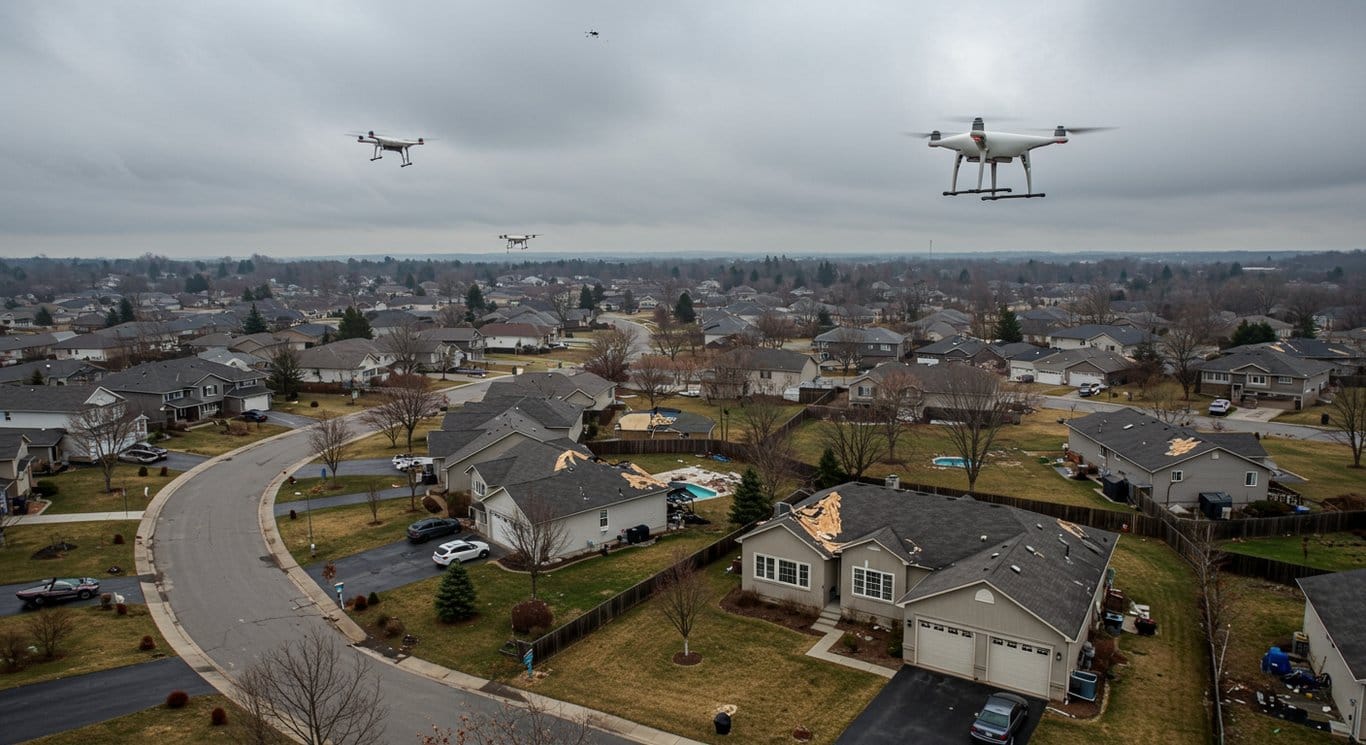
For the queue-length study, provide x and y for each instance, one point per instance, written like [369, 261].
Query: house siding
[779, 543]
[1205, 472]
[872, 556]
[1325, 658]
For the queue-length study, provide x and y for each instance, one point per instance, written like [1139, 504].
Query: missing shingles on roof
[821, 520]
[641, 480]
[568, 458]
[1181, 445]
[1073, 529]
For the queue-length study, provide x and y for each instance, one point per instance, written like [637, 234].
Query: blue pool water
[698, 492]
[950, 461]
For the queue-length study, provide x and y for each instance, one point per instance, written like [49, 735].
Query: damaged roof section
[1181, 445]
[821, 520]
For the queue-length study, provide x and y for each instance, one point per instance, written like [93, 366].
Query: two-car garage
[1010, 663]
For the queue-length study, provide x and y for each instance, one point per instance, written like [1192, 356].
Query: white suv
[1219, 406]
[405, 461]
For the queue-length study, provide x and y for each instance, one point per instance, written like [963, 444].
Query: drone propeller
[971, 119]
[1062, 131]
[921, 135]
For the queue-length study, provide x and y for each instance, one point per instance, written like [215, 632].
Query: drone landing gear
[975, 191]
[1013, 196]
[405, 165]
[377, 157]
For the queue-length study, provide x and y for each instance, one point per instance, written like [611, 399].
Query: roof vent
[1128, 426]
[984, 539]
[1039, 526]
[1030, 549]
[1014, 568]
[995, 554]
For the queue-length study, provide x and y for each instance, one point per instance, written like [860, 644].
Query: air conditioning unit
[1300, 646]
[892, 481]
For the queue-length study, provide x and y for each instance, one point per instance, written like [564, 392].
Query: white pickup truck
[404, 461]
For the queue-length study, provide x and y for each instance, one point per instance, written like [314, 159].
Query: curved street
[230, 598]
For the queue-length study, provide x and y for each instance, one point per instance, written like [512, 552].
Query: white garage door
[260, 403]
[1020, 666]
[1080, 378]
[1051, 378]
[944, 647]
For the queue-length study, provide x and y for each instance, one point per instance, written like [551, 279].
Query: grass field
[734, 421]
[1335, 552]
[1326, 465]
[1311, 416]
[187, 726]
[81, 488]
[216, 441]
[1158, 697]
[343, 531]
[95, 550]
[339, 485]
[99, 640]
[377, 445]
[333, 403]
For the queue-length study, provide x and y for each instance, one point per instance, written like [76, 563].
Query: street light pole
[308, 512]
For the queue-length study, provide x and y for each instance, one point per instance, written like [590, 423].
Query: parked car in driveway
[473, 372]
[1003, 715]
[138, 455]
[149, 447]
[1220, 406]
[59, 589]
[404, 461]
[460, 551]
[254, 415]
[1090, 389]
[433, 527]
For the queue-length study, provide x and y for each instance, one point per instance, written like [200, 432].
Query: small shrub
[106, 600]
[142, 471]
[148, 644]
[177, 700]
[359, 603]
[373, 599]
[13, 651]
[380, 620]
[894, 648]
[747, 599]
[218, 717]
[238, 429]
[293, 515]
[394, 627]
[46, 488]
[121, 609]
[530, 615]
[118, 539]
[165, 471]
[850, 641]
[312, 404]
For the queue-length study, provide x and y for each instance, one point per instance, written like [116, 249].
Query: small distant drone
[517, 241]
[981, 147]
[393, 144]
[591, 34]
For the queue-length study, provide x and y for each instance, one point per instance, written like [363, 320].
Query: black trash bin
[722, 722]
[1324, 419]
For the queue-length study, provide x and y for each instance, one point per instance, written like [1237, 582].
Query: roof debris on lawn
[1181, 445]
[568, 458]
[822, 520]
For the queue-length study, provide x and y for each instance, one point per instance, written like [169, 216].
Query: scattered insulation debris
[822, 520]
[1181, 445]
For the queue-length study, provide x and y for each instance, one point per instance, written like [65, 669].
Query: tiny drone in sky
[517, 241]
[591, 34]
[393, 144]
[981, 147]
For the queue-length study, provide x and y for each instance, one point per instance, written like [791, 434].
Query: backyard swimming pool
[950, 461]
[697, 491]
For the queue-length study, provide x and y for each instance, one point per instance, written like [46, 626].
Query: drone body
[518, 241]
[391, 144]
[982, 147]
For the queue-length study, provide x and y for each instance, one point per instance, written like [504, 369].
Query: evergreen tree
[255, 323]
[285, 373]
[354, 325]
[964, 277]
[754, 275]
[37, 378]
[263, 292]
[126, 314]
[196, 283]
[598, 294]
[246, 266]
[1008, 326]
[749, 504]
[826, 274]
[828, 471]
[683, 309]
[1252, 333]
[1166, 273]
[42, 317]
[586, 298]
[248, 295]
[628, 301]
[455, 598]
[222, 269]
[420, 291]
[1304, 327]
[474, 299]
[112, 318]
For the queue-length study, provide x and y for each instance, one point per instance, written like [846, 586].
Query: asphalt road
[28, 712]
[1296, 431]
[387, 567]
[238, 606]
[129, 587]
[927, 708]
[318, 503]
[178, 461]
[640, 344]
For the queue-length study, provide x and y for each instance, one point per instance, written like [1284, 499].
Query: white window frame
[602, 520]
[865, 391]
[1250, 478]
[479, 487]
[210, 390]
[1217, 377]
[772, 569]
[1178, 476]
[1257, 379]
[861, 586]
[1285, 380]
[766, 374]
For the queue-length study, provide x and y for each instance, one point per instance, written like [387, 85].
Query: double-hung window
[870, 583]
[602, 520]
[1250, 478]
[1178, 476]
[783, 571]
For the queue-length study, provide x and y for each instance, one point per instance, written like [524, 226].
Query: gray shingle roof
[958, 344]
[173, 375]
[869, 335]
[1274, 362]
[1155, 445]
[1103, 359]
[67, 399]
[59, 369]
[550, 384]
[561, 474]
[783, 360]
[346, 354]
[1336, 599]
[1126, 335]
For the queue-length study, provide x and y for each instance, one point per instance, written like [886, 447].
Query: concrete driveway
[390, 566]
[129, 587]
[927, 708]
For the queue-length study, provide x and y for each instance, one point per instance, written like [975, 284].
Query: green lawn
[81, 488]
[1311, 416]
[472, 647]
[1159, 696]
[1326, 465]
[309, 488]
[1335, 552]
[377, 445]
[187, 726]
[215, 440]
[99, 640]
[332, 403]
[343, 531]
[95, 550]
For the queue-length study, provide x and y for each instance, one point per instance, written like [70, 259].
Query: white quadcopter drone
[981, 147]
[392, 144]
[517, 241]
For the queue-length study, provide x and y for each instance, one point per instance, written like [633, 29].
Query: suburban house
[981, 591]
[662, 423]
[942, 324]
[16, 467]
[1231, 323]
[874, 345]
[723, 329]
[305, 335]
[53, 372]
[579, 387]
[931, 393]
[1346, 359]
[1035, 323]
[1265, 375]
[1020, 361]
[767, 372]
[92, 348]
[559, 481]
[1122, 339]
[48, 408]
[349, 362]
[514, 337]
[189, 389]
[1336, 628]
[20, 347]
[1076, 367]
[466, 339]
[1171, 465]
[486, 429]
[958, 348]
[46, 448]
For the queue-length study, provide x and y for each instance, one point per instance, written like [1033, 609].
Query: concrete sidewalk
[78, 517]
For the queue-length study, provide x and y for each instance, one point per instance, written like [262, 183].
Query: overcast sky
[212, 128]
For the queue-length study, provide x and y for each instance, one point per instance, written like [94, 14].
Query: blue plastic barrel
[1083, 685]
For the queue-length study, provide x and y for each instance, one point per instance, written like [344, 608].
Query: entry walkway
[830, 615]
[78, 517]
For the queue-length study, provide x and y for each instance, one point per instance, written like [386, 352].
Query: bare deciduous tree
[102, 432]
[1348, 419]
[563, 304]
[609, 354]
[775, 329]
[855, 442]
[407, 345]
[1192, 328]
[1093, 307]
[372, 501]
[653, 376]
[49, 627]
[681, 594]
[845, 347]
[409, 400]
[670, 336]
[767, 445]
[536, 535]
[532, 722]
[327, 438]
[1217, 596]
[311, 690]
[450, 315]
[1165, 406]
[976, 403]
[729, 375]
[896, 401]
[382, 419]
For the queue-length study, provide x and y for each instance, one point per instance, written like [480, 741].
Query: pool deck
[721, 483]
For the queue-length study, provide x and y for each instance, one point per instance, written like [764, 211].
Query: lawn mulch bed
[795, 618]
[867, 642]
[687, 660]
